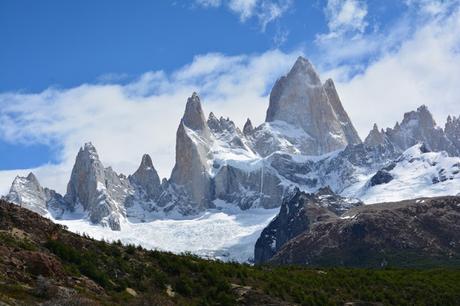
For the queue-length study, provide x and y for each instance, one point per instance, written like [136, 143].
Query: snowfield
[226, 233]
[415, 175]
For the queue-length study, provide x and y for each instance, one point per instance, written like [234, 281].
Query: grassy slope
[90, 272]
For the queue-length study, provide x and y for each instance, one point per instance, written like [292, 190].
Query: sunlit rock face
[191, 171]
[97, 190]
[27, 192]
[301, 100]
[419, 127]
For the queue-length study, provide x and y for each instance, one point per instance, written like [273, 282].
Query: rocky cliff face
[300, 100]
[27, 192]
[402, 233]
[298, 213]
[191, 171]
[97, 190]
[376, 137]
[419, 127]
[452, 130]
[146, 180]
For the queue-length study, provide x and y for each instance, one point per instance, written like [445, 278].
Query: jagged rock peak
[452, 130]
[422, 114]
[248, 128]
[300, 100]
[419, 126]
[375, 137]
[146, 162]
[27, 192]
[212, 117]
[193, 116]
[213, 122]
[32, 178]
[303, 67]
[349, 130]
[329, 84]
[89, 150]
[147, 178]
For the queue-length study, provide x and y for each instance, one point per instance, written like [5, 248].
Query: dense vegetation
[97, 272]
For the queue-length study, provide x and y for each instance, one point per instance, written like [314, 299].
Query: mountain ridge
[259, 166]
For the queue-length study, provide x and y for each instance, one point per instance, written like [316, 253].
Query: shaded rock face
[298, 213]
[402, 233]
[260, 188]
[381, 177]
[452, 130]
[376, 137]
[248, 128]
[301, 100]
[351, 135]
[147, 179]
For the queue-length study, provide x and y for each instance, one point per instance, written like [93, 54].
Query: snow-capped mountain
[416, 173]
[27, 192]
[307, 142]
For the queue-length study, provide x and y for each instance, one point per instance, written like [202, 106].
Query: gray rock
[351, 134]
[300, 100]
[298, 213]
[191, 172]
[28, 193]
[452, 130]
[146, 180]
[381, 177]
[420, 127]
[376, 137]
[260, 188]
[98, 190]
[248, 128]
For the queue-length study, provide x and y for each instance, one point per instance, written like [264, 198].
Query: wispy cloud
[345, 17]
[265, 11]
[422, 69]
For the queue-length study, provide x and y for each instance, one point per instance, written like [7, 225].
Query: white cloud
[125, 121]
[280, 37]
[432, 7]
[265, 11]
[244, 8]
[209, 3]
[425, 69]
[345, 17]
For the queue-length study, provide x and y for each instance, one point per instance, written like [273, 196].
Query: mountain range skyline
[5, 179]
[402, 56]
[306, 133]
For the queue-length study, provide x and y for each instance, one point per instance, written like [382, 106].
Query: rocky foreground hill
[43, 264]
[309, 231]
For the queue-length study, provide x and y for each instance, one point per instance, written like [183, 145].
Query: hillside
[412, 233]
[42, 263]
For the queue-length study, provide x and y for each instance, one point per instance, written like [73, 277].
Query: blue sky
[67, 43]
[76, 71]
